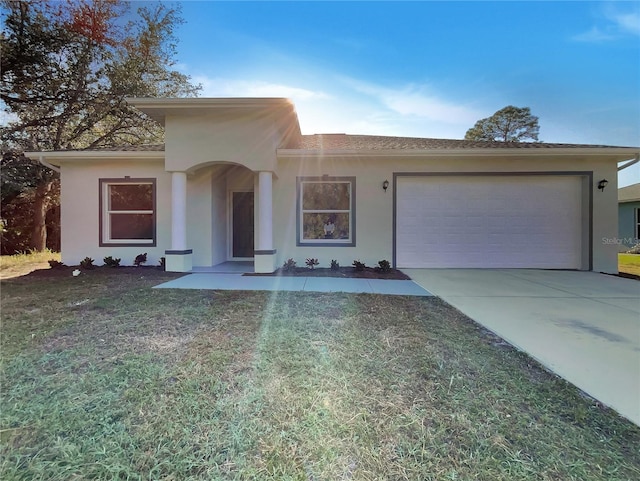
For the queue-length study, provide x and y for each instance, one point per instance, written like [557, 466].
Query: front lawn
[105, 378]
[629, 263]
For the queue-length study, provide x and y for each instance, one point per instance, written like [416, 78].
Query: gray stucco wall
[627, 223]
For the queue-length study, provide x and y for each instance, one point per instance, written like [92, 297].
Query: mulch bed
[66, 271]
[155, 271]
[344, 272]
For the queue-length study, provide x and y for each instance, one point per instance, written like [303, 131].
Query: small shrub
[54, 264]
[358, 266]
[140, 259]
[163, 263]
[289, 265]
[311, 262]
[384, 266]
[87, 263]
[111, 262]
[335, 265]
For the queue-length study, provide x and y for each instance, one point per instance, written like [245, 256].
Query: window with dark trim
[128, 212]
[326, 211]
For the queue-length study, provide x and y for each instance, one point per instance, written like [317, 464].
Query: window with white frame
[637, 224]
[127, 212]
[326, 211]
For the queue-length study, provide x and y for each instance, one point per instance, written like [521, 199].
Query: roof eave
[158, 108]
[617, 154]
[57, 158]
[207, 102]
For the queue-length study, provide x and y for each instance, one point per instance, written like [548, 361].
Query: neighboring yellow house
[236, 180]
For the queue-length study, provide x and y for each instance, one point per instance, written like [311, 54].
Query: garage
[490, 221]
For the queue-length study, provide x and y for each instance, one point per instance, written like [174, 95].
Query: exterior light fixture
[602, 184]
[385, 185]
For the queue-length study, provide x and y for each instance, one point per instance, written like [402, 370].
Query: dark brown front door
[242, 224]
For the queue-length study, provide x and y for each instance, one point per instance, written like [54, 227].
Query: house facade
[628, 216]
[236, 180]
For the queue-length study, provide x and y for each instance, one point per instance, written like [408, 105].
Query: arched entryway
[227, 218]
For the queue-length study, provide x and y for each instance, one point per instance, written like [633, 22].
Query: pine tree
[510, 124]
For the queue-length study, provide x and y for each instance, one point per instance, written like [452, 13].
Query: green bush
[384, 266]
[140, 259]
[289, 265]
[358, 266]
[111, 262]
[54, 264]
[87, 263]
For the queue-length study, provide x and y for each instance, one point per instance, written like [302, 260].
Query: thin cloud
[219, 87]
[595, 35]
[627, 22]
[419, 102]
[416, 103]
[277, 90]
[613, 24]
[356, 107]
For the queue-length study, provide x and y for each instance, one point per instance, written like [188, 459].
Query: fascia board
[158, 108]
[57, 158]
[207, 103]
[612, 154]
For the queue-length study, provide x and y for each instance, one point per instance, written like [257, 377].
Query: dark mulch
[155, 271]
[66, 271]
[367, 273]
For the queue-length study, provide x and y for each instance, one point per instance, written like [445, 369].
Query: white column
[178, 211]
[265, 220]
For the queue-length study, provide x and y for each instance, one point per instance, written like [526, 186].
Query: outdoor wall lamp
[602, 184]
[385, 185]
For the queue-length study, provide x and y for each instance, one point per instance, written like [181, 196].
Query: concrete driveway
[583, 326]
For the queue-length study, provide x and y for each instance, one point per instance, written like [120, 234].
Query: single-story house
[629, 216]
[236, 180]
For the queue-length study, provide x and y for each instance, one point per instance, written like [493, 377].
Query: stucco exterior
[80, 213]
[254, 145]
[375, 207]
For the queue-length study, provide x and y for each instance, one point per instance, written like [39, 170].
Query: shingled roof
[345, 142]
[375, 142]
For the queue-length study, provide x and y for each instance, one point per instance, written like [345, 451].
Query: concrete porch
[228, 267]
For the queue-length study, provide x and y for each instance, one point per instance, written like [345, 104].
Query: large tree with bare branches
[66, 68]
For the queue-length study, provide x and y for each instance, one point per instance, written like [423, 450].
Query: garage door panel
[489, 221]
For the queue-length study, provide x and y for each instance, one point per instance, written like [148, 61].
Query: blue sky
[427, 69]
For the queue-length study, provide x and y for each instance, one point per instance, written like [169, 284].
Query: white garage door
[489, 221]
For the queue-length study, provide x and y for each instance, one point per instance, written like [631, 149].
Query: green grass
[629, 263]
[105, 378]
